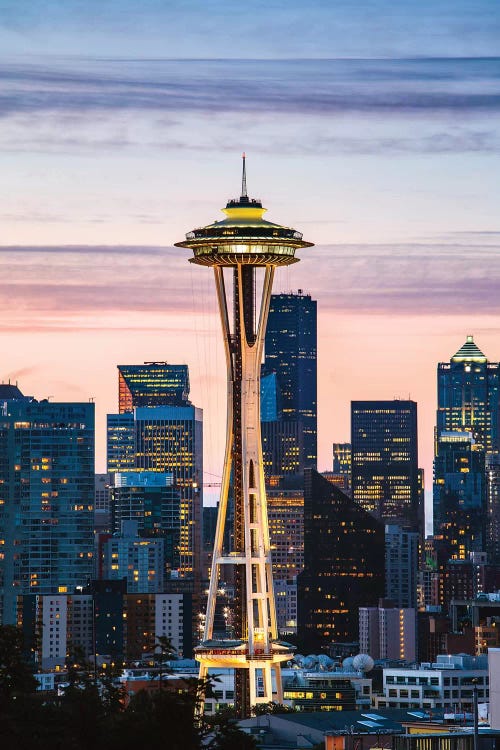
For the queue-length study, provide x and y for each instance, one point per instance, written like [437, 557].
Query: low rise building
[445, 685]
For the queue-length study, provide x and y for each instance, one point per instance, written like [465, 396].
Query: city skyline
[383, 149]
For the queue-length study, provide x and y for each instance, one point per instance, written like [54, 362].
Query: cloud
[308, 107]
[88, 287]
[325, 87]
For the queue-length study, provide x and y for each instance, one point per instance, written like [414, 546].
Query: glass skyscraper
[169, 440]
[291, 352]
[152, 384]
[343, 565]
[467, 433]
[468, 396]
[385, 460]
[46, 497]
[459, 496]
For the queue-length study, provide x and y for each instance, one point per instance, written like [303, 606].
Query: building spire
[244, 193]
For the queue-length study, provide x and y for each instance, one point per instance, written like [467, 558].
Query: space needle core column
[244, 249]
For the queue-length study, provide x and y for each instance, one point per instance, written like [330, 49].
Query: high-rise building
[459, 496]
[467, 432]
[165, 440]
[270, 399]
[152, 384]
[342, 453]
[244, 249]
[493, 507]
[468, 396]
[388, 631]
[401, 566]
[282, 451]
[291, 352]
[139, 560]
[103, 623]
[285, 511]
[102, 509]
[46, 497]
[120, 442]
[343, 565]
[385, 460]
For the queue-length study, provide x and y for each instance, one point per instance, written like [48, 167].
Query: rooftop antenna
[244, 193]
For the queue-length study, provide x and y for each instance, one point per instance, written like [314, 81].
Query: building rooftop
[9, 392]
[469, 352]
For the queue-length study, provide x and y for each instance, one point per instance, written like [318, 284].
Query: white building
[54, 616]
[170, 618]
[445, 685]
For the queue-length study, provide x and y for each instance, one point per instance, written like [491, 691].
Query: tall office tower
[244, 251]
[151, 499]
[468, 396]
[385, 460]
[342, 464]
[140, 561]
[102, 509]
[282, 451]
[285, 510]
[290, 352]
[459, 496]
[493, 504]
[46, 497]
[401, 566]
[120, 442]
[169, 440]
[282, 441]
[158, 430]
[152, 384]
[467, 430]
[343, 565]
[270, 398]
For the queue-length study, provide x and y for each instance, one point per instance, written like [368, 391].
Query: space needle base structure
[244, 249]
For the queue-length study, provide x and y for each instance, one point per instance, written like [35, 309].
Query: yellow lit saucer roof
[244, 236]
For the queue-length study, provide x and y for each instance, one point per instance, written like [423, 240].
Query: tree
[166, 652]
[16, 678]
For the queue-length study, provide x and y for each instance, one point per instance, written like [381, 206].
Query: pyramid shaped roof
[469, 352]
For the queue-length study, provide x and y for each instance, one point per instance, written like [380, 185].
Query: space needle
[244, 250]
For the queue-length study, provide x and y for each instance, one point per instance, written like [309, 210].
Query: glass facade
[165, 440]
[153, 502]
[343, 565]
[385, 459]
[467, 432]
[468, 396]
[46, 498]
[152, 384]
[459, 496]
[291, 352]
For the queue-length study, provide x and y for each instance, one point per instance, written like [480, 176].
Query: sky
[372, 127]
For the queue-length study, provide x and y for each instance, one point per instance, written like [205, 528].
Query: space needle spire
[244, 193]
[239, 248]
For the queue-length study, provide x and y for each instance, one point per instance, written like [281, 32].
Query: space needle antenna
[244, 193]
